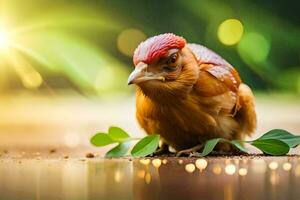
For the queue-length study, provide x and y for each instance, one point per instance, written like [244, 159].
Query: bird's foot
[190, 151]
[163, 149]
[160, 151]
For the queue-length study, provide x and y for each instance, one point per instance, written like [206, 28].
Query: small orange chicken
[189, 94]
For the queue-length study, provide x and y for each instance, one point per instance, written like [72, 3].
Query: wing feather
[215, 65]
[217, 79]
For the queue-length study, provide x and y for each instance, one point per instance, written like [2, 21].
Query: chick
[189, 94]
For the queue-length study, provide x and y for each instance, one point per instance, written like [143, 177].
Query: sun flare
[4, 39]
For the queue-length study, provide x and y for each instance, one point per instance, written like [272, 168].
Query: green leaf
[239, 145]
[283, 135]
[209, 146]
[119, 150]
[117, 134]
[271, 146]
[145, 146]
[101, 139]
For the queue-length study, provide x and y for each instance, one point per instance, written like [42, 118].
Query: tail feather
[246, 115]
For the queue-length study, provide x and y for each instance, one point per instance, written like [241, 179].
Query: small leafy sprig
[275, 142]
[145, 146]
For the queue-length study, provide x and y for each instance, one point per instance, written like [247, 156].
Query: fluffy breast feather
[189, 121]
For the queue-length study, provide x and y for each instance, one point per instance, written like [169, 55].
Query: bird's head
[164, 65]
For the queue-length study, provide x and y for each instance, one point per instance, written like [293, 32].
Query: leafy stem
[275, 142]
[115, 135]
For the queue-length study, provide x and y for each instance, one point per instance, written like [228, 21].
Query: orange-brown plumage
[189, 94]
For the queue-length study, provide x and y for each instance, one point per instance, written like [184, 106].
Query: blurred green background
[85, 47]
[64, 63]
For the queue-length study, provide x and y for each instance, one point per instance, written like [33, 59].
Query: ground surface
[56, 175]
[45, 154]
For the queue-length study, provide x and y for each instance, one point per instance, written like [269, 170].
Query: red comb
[157, 46]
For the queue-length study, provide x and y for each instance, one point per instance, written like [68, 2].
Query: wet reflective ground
[30, 170]
[165, 178]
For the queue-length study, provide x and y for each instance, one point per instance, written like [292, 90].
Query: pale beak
[140, 74]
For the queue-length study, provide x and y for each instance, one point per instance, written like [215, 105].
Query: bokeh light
[273, 165]
[253, 47]
[243, 171]
[230, 31]
[145, 161]
[287, 166]
[156, 162]
[32, 80]
[217, 169]
[230, 169]
[128, 40]
[201, 164]
[190, 168]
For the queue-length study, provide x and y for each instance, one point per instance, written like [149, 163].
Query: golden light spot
[129, 39]
[230, 31]
[190, 168]
[117, 176]
[287, 166]
[273, 165]
[148, 178]
[164, 161]
[4, 39]
[217, 169]
[180, 161]
[156, 163]
[201, 164]
[32, 79]
[230, 169]
[141, 173]
[145, 161]
[243, 171]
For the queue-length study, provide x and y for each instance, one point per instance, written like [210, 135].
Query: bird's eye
[172, 59]
[169, 69]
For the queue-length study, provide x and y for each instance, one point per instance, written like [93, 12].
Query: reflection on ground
[160, 178]
[30, 127]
